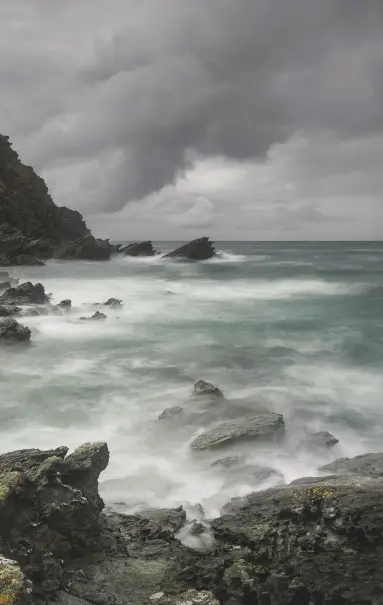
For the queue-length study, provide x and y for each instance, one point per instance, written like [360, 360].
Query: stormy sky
[169, 119]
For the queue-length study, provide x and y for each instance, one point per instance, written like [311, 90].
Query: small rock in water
[11, 332]
[65, 304]
[321, 439]
[258, 427]
[206, 388]
[228, 462]
[113, 303]
[170, 412]
[97, 317]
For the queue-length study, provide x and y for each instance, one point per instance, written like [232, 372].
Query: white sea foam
[287, 345]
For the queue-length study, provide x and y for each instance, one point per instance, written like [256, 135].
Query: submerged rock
[206, 388]
[25, 294]
[96, 317]
[139, 249]
[170, 412]
[198, 249]
[228, 462]
[11, 332]
[257, 427]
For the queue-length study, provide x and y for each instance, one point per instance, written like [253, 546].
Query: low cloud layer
[164, 119]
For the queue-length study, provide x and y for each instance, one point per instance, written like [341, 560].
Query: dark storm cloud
[220, 77]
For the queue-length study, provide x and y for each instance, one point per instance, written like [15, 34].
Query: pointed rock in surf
[198, 249]
[139, 249]
[259, 427]
[206, 388]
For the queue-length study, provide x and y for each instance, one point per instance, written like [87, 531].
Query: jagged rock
[206, 388]
[49, 509]
[96, 317]
[318, 542]
[65, 304]
[139, 249]
[253, 428]
[11, 331]
[170, 412]
[84, 248]
[198, 249]
[25, 294]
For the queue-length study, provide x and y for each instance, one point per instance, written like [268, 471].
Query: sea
[294, 328]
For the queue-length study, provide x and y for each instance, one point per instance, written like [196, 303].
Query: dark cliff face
[25, 203]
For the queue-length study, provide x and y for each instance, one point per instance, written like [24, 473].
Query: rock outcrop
[198, 249]
[84, 248]
[253, 428]
[315, 542]
[25, 294]
[32, 227]
[138, 249]
[12, 332]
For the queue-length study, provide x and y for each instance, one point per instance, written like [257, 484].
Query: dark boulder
[138, 249]
[228, 462]
[206, 388]
[11, 332]
[25, 294]
[65, 304]
[198, 249]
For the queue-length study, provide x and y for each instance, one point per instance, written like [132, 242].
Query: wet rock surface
[317, 542]
[256, 427]
[138, 249]
[171, 412]
[198, 249]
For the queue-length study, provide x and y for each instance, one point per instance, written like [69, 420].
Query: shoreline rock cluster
[318, 540]
[33, 229]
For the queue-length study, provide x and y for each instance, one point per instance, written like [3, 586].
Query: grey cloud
[220, 77]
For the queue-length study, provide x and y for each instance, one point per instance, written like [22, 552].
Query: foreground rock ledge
[318, 541]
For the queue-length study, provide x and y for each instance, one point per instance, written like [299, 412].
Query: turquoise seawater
[295, 328]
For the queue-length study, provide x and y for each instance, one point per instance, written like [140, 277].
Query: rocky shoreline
[33, 229]
[315, 541]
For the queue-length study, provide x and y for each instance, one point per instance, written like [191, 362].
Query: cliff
[29, 215]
